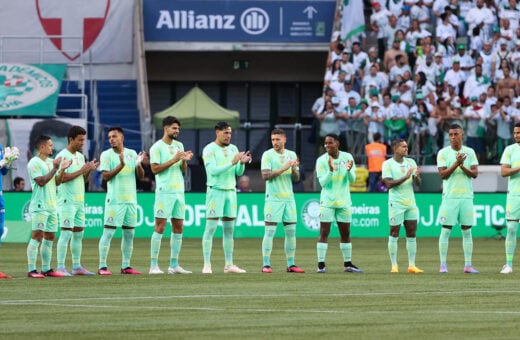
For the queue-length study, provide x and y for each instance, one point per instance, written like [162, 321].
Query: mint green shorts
[335, 214]
[513, 208]
[455, 211]
[169, 206]
[221, 203]
[71, 215]
[280, 211]
[398, 213]
[45, 221]
[121, 214]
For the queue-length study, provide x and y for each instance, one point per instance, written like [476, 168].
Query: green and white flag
[30, 90]
[352, 19]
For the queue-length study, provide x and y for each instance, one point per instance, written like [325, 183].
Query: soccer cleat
[130, 271]
[35, 275]
[82, 271]
[5, 276]
[104, 271]
[207, 270]
[155, 270]
[470, 270]
[415, 270]
[322, 270]
[64, 271]
[295, 269]
[395, 269]
[267, 269]
[351, 268]
[178, 270]
[506, 269]
[233, 269]
[443, 269]
[52, 273]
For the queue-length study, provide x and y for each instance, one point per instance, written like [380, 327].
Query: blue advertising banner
[238, 21]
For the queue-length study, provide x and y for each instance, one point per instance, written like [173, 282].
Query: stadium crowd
[435, 63]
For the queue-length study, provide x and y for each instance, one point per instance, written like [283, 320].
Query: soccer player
[223, 162]
[119, 166]
[510, 167]
[279, 169]
[43, 172]
[5, 163]
[399, 174]
[71, 202]
[457, 166]
[168, 161]
[335, 170]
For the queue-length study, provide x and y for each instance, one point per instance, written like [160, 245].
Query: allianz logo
[253, 21]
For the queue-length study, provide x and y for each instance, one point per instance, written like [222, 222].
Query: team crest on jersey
[508, 213]
[310, 215]
[66, 222]
[268, 217]
[40, 225]
[110, 220]
[160, 212]
[212, 212]
[392, 220]
[443, 219]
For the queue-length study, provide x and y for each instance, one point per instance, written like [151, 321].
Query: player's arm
[324, 172]
[446, 172]
[212, 169]
[506, 170]
[268, 174]
[158, 168]
[85, 170]
[417, 177]
[109, 174]
[391, 183]
[471, 172]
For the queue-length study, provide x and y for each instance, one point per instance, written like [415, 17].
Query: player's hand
[65, 164]
[417, 172]
[237, 158]
[187, 155]
[331, 163]
[409, 173]
[56, 163]
[350, 164]
[122, 158]
[140, 157]
[246, 157]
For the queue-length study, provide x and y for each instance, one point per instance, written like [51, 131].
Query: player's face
[115, 138]
[401, 149]
[224, 137]
[47, 148]
[516, 134]
[78, 142]
[455, 136]
[172, 131]
[331, 145]
[278, 142]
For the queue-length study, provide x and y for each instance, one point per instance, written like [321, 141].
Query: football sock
[127, 246]
[512, 227]
[155, 247]
[62, 246]
[267, 244]
[322, 251]
[443, 244]
[76, 248]
[32, 254]
[46, 254]
[411, 247]
[346, 251]
[207, 240]
[290, 243]
[467, 246]
[227, 241]
[104, 246]
[175, 249]
[392, 249]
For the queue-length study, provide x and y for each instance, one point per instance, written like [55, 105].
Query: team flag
[352, 19]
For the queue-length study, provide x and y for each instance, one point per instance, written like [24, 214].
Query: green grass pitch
[373, 305]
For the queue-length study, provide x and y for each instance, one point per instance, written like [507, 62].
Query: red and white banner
[98, 31]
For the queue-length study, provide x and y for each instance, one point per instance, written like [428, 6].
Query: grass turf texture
[372, 305]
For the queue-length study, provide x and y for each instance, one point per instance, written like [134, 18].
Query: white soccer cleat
[178, 270]
[207, 270]
[233, 269]
[155, 270]
[506, 269]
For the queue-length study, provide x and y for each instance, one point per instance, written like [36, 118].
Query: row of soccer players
[223, 162]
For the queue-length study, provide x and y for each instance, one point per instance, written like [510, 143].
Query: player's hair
[333, 135]
[167, 121]
[396, 142]
[41, 140]
[278, 132]
[75, 131]
[116, 128]
[222, 126]
[455, 126]
[517, 124]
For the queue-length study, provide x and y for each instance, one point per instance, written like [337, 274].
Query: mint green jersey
[458, 185]
[43, 198]
[74, 190]
[278, 188]
[335, 185]
[402, 194]
[122, 187]
[511, 157]
[220, 172]
[171, 180]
